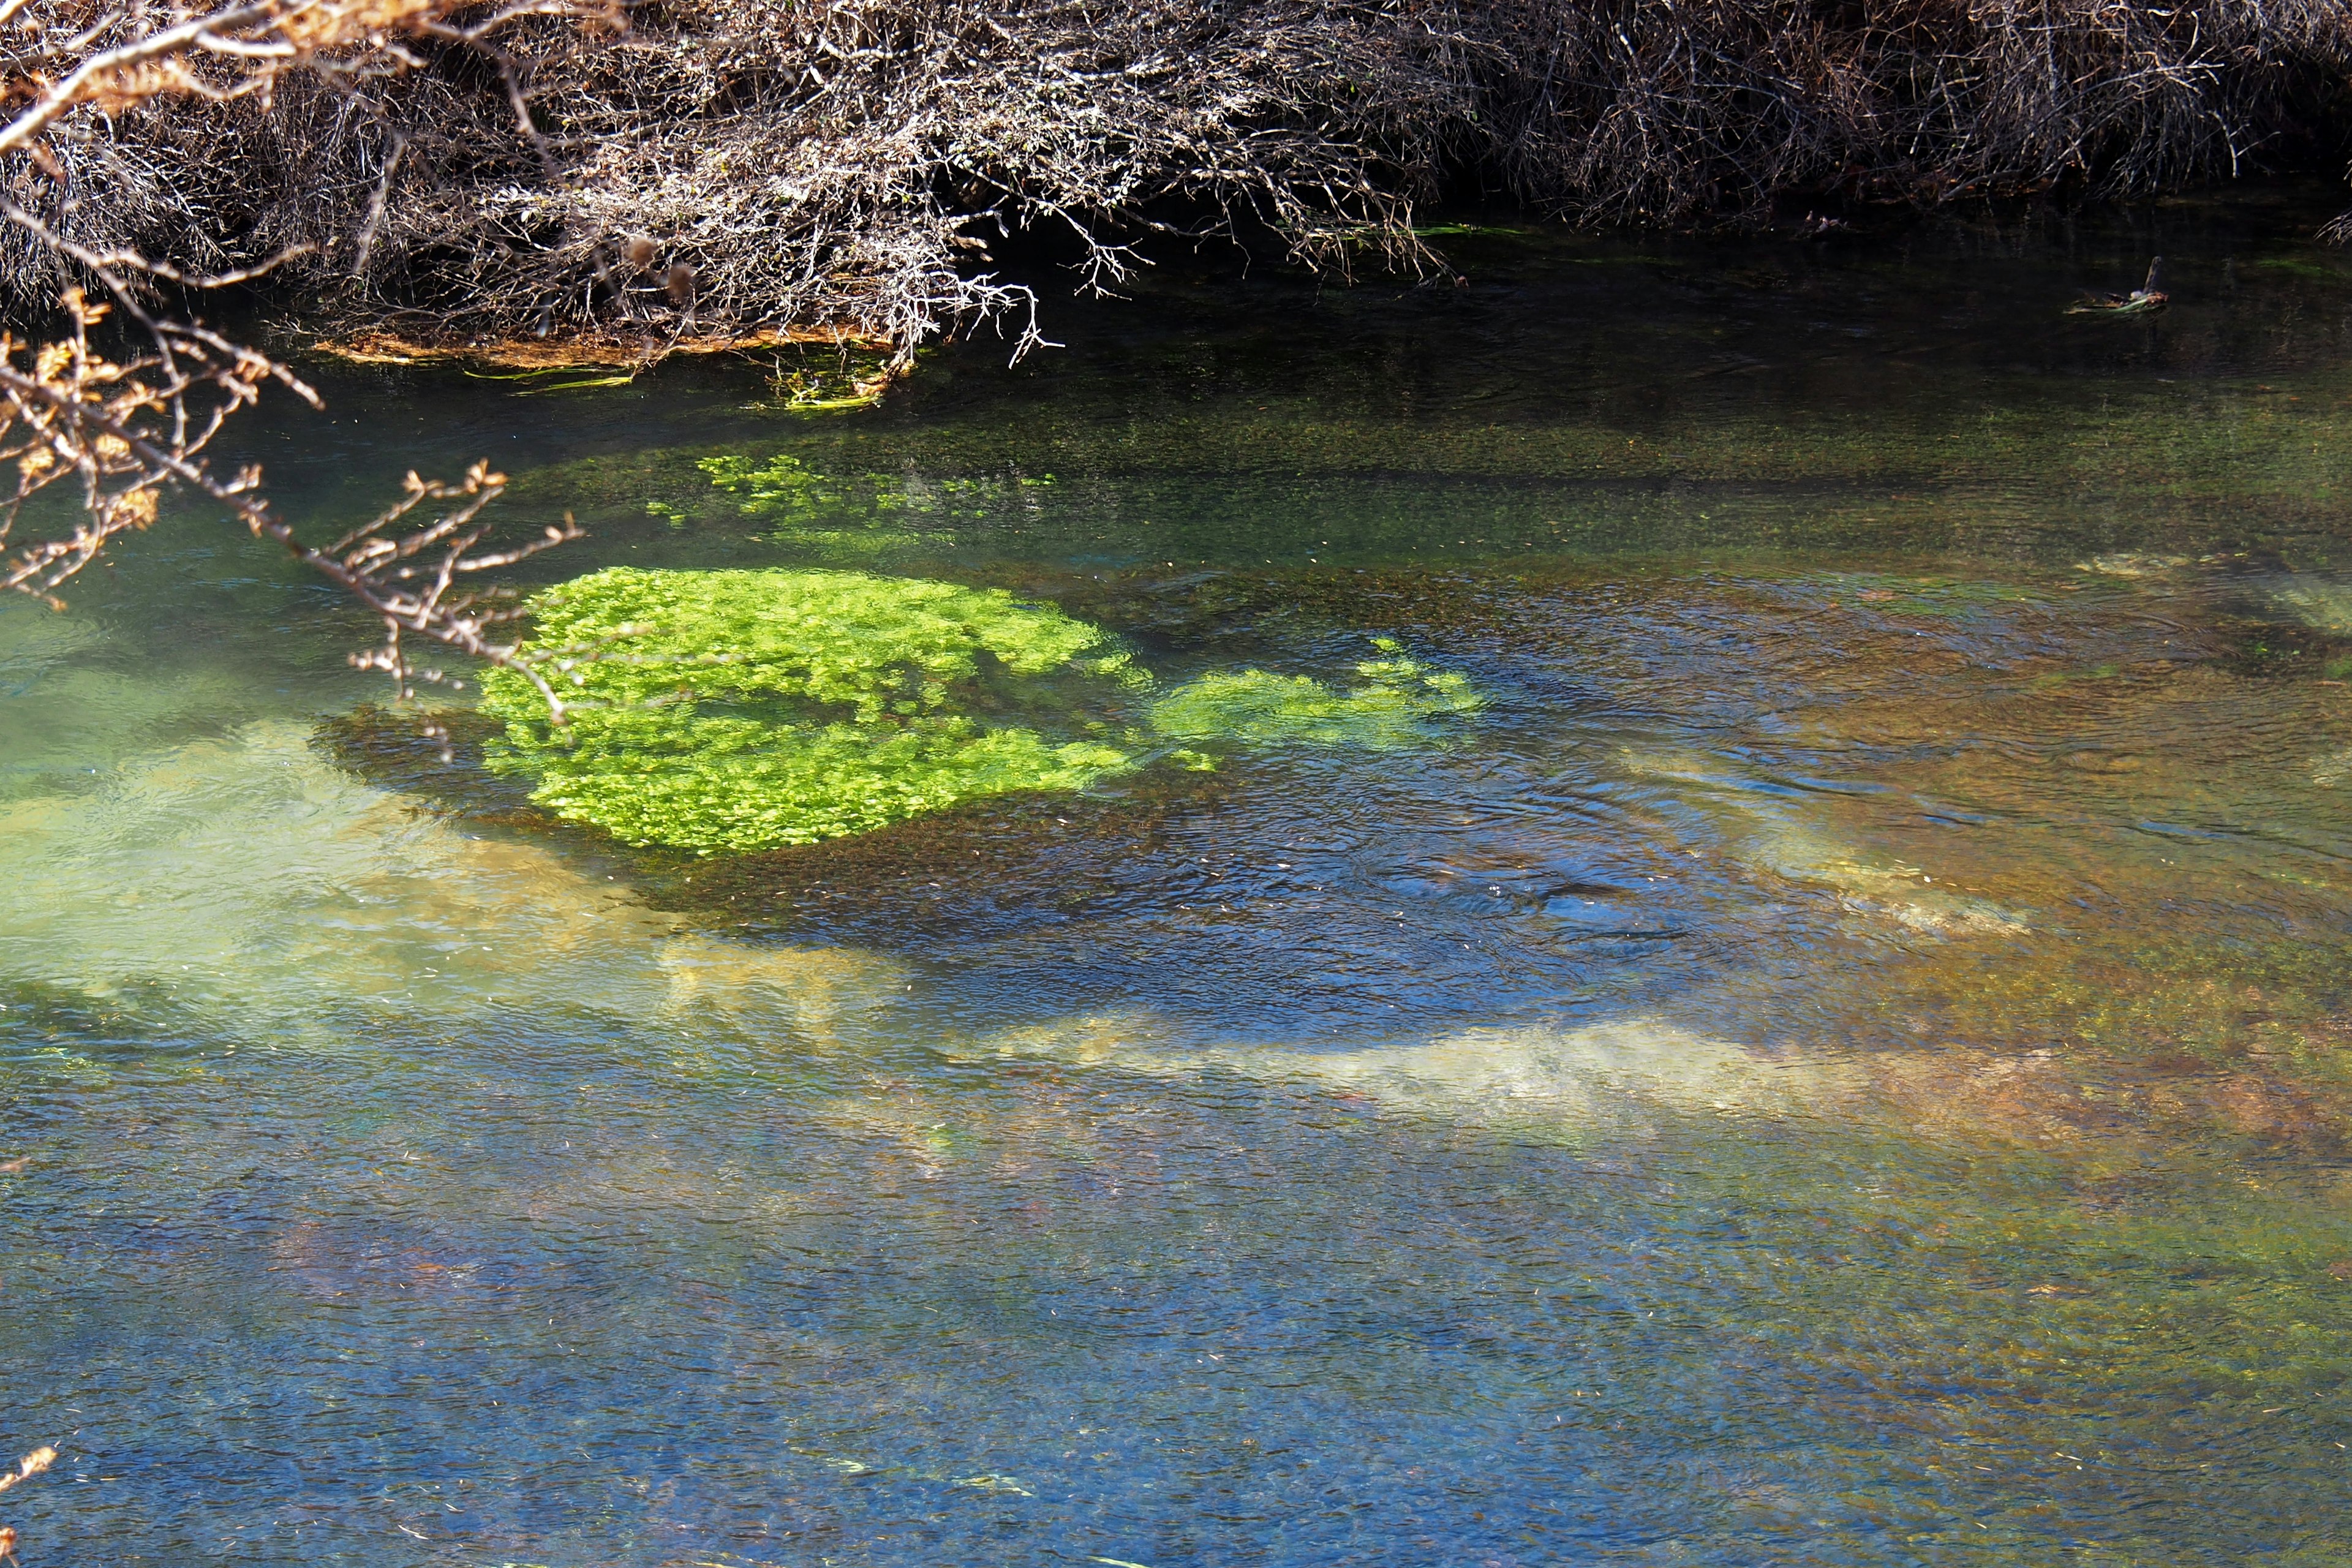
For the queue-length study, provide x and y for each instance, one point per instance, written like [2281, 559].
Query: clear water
[1848, 1061]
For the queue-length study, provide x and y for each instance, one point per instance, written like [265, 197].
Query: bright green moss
[728, 712]
[735, 710]
[1395, 706]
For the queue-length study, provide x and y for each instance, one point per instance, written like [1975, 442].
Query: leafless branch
[116, 427]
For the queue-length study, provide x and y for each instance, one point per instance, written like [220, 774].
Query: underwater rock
[2132, 564]
[2047, 1097]
[798, 996]
[267, 891]
[2315, 602]
[1766, 829]
[1595, 1073]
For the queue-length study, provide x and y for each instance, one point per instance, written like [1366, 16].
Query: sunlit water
[1847, 1059]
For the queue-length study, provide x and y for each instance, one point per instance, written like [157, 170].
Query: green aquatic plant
[729, 711]
[839, 521]
[846, 377]
[787, 488]
[795, 495]
[835, 515]
[735, 710]
[1395, 706]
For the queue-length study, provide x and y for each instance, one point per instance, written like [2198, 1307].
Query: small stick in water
[2148, 296]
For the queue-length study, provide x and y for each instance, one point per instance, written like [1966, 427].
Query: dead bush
[713, 166]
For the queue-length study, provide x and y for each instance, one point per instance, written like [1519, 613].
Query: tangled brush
[695, 167]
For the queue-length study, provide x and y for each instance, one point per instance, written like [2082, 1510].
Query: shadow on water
[1840, 1060]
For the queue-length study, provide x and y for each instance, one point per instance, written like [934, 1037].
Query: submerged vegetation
[844, 521]
[739, 710]
[729, 712]
[1393, 707]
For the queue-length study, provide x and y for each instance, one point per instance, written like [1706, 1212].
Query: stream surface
[1846, 1059]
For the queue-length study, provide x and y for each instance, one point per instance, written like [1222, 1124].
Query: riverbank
[724, 169]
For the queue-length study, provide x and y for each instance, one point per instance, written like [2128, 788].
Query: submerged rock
[2315, 602]
[256, 886]
[1766, 828]
[1594, 1073]
[2132, 564]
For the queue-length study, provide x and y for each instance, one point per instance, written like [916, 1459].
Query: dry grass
[1683, 111]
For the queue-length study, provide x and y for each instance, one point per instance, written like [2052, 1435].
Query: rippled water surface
[1846, 1059]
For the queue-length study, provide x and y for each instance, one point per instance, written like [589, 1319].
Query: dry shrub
[733, 162]
[706, 166]
[716, 164]
[127, 405]
[1643, 109]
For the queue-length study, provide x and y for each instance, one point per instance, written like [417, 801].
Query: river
[1845, 1058]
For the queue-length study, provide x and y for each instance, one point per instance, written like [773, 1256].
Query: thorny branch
[419, 581]
[118, 419]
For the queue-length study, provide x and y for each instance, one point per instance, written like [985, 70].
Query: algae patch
[853, 518]
[738, 711]
[732, 711]
[1394, 707]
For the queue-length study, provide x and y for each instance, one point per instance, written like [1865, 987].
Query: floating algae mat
[740, 711]
[1680, 906]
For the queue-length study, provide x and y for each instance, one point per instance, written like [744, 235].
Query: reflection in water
[1842, 1060]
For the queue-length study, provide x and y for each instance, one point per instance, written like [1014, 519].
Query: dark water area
[1845, 1059]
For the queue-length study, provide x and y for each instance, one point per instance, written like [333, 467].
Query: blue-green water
[1844, 1060]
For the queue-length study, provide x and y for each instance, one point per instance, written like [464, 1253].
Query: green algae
[841, 521]
[730, 711]
[796, 494]
[847, 519]
[737, 710]
[1396, 706]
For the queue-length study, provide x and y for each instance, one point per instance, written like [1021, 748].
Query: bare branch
[121, 427]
